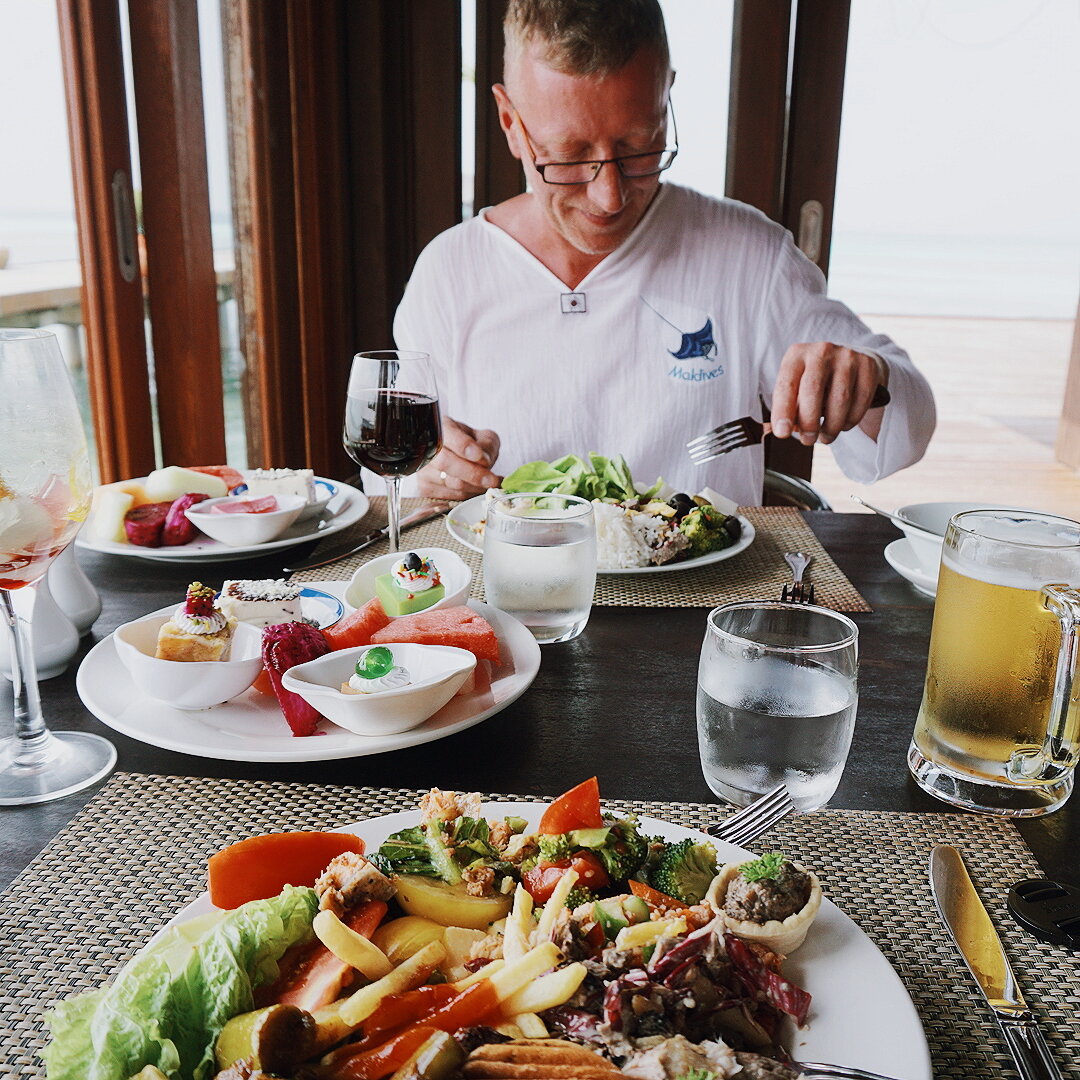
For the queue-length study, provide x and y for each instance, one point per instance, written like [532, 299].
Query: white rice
[624, 538]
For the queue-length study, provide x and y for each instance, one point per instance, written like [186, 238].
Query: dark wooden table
[618, 702]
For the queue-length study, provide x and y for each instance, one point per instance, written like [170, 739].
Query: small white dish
[437, 673]
[184, 685]
[244, 530]
[928, 522]
[324, 492]
[456, 576]
[900, 555]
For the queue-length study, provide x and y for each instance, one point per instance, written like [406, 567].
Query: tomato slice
[578, 808]
[541, 880]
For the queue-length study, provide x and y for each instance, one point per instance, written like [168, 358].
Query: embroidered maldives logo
[693, 344]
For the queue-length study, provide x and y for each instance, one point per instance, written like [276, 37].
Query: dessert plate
[901, 558]
[463, 518]
[346, 508]
[251, 727]
[861, 1013]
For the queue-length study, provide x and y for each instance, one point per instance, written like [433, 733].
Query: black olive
[413, 561]
[733, 526]
[682, 504]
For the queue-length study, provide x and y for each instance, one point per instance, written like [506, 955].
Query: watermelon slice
[356, 628]
[458, 626]
[233, 477]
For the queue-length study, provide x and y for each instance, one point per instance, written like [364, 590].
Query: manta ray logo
[696, 343]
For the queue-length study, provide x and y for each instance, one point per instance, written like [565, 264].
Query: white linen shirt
[683, 327]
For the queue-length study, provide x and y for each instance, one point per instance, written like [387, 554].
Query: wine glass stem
[31, 734]
[393, 510]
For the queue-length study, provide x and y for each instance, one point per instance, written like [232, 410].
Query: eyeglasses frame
[599, 164]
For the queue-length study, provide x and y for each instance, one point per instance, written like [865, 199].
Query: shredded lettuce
[167, 1005]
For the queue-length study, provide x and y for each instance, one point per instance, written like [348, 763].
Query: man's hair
[586, 37]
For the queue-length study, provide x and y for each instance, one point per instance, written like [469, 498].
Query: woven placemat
[137, 853]
[757, 573]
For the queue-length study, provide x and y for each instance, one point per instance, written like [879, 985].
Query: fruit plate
[346, 508]
[861, 1013]
[251, 727]
[462, 520]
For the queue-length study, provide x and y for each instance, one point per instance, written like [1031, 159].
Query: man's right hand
[462, 468]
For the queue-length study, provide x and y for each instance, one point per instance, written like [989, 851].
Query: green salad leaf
[598, 478]
[167, 1005]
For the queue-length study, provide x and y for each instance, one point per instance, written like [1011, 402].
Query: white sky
[961, 121]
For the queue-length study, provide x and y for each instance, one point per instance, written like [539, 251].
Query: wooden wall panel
[181, 287]
[112, 295]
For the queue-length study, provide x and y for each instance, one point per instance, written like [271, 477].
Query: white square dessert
[282, 482]
[261, 603]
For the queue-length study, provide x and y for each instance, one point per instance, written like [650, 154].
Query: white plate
[251, 727]
[861, 1014]
[901, 558]
[464, 516]
[347, 507]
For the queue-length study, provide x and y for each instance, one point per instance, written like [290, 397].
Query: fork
[812, 1070]
[797, 592]
[746, 431]
[750, 822]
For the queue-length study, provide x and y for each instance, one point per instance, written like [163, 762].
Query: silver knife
[415, 517]
[979, 944]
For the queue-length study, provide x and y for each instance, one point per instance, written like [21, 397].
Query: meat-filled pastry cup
[782, 936]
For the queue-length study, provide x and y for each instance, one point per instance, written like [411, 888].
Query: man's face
[573, 118]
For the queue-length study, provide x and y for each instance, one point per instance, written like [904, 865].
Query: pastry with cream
[198, 630]
[282, 482]
[261, 603]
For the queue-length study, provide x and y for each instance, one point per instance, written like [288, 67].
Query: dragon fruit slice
[144, 524]
[284, 646]
[178, 530]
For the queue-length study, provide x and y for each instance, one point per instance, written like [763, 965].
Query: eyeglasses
[631, 166]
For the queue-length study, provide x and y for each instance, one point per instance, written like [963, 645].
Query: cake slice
[198, 630]
[282, 482]
[412, 585]
[260, 602]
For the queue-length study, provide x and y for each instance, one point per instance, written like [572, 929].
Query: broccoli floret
[704, 528]
[625, 849]
[686, 870]
[554, 847]
[578, 896]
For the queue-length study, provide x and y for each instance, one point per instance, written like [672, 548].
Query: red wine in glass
[392, 422]
[397, 432]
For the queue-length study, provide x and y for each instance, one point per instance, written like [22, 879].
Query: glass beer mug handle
[1059, 752]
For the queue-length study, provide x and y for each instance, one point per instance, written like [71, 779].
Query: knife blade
[415, 517]
[969, 925]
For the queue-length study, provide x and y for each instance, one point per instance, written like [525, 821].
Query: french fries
[350, 947]
[556, 902]
[554, 988]
[519, 925]
[517, 974]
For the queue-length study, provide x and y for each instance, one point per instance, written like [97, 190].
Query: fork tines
[754, 819]
[735, 434]
[798, 593]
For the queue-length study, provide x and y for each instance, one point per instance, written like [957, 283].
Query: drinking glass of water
[776, 699]
[540, 562]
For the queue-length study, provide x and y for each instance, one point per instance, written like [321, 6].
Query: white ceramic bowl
[437, 671]
[324, 492]
[456, 576]
[195, 685]
[245, 530]
[927, 524]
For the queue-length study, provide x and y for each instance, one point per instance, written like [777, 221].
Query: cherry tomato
[541, 880]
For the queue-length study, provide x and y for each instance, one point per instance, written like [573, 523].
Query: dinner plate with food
[269, 671]
[214, 513]
[639, 530]
[471, 938]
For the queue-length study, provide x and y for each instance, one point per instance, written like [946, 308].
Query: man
[605, 311]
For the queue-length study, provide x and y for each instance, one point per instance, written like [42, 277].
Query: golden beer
[989, 679]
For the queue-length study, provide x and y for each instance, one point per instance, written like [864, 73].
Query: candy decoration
[375, 663]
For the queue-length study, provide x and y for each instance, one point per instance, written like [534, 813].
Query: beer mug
[999, 725]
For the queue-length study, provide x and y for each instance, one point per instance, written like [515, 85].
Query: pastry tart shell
[781, 936]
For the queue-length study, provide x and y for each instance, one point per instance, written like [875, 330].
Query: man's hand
[823, 389]
[462, 468]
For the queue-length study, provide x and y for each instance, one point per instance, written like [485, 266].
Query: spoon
[896, 519]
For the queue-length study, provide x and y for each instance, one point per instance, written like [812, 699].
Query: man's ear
[506, 119]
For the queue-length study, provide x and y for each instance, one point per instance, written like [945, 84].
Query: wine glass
[44, 498]
[392, 424]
